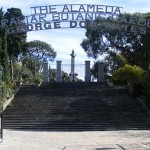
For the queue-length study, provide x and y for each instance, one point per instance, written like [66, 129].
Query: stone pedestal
[73, 77]
[87, 71]
[59, 72]
[100, 72]
[45, 71]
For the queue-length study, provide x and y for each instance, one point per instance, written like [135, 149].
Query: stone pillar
[45, 71]
[100, 72]
[59, 72]
[87, 71]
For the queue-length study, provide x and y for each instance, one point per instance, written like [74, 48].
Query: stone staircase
[75, 107]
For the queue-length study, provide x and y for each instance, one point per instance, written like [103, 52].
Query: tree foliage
[3, 49]
[40, 50]
[32, 63]
[16, 42]
[111, 62]
[37, 52]
[135, 77]
[114, 60]
[101, 40]
[4, 55]
[94, 69]
[53, 73]
[129, 73]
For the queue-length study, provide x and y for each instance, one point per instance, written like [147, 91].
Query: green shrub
[129, 73]
[133, 75]
[6, 91]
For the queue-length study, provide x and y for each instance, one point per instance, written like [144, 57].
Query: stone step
[71, 120]
[74, 106]
[77, 119]
[81, 127]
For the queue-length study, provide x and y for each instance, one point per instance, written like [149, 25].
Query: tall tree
[135, 47]
[102, 39]
[32, 63]
[3, 49]
[5, 56]
[36, 52]
[16, 41]
[114, 61]
[1, 35]
[40, 50]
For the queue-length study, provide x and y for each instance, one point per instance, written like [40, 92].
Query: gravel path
[97, 140]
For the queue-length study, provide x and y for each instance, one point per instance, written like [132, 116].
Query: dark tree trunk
[11, 68]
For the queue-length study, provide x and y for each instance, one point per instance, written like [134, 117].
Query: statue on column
[73, 75]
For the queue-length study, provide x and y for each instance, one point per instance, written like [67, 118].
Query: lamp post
[1, 106]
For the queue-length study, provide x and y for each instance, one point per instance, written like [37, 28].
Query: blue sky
[64, 40]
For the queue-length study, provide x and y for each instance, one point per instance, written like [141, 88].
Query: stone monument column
[59, 72]
[49, 69]
[45, 71]
[87, 71]
[100, 72]
[72, 61]
[73, 75]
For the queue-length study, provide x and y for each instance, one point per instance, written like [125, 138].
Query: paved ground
[100, 140]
